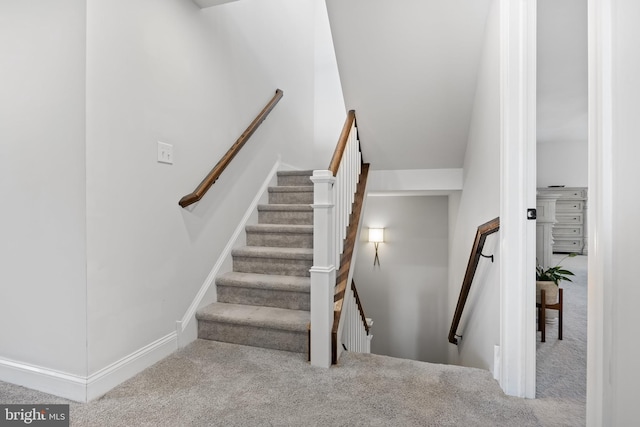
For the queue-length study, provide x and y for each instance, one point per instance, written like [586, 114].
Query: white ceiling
[562, 71]
[408, 68]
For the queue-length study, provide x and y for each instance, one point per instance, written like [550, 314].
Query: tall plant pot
[551, 297]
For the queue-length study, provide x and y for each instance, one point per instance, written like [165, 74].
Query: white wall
[329, 108]
[166, 71]
[406, 296]
[415, 181]
[562, 163]
[478, 203]
[409, 68]
[562, 71]
[42, 184]
[620, 293]
[562, 93]
[100, 261]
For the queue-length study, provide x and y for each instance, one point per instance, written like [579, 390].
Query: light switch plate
[165, 153]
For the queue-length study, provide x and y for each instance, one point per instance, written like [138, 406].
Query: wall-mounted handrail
[360, 309]
[342, 142]
[481, 235]
[217, 170]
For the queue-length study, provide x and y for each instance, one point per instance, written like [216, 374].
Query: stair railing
[345, 274]
[222, 164]
[334, 195]
[476, 252]
[357, 327]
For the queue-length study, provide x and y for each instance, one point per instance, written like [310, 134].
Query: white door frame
[600, 217]
[517, 372]
[518, 103]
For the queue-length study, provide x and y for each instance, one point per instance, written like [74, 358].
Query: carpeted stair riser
[285, 267]
[285, 214]
[253, 336]
[280, 237]
[290, 195]
[279, 261]
[294, 178]
[264, 297]
[288, 292]
[255, 326]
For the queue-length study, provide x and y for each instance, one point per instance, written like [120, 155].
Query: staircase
[264, 301]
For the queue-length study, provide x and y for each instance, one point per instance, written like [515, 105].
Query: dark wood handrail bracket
[481, 235]
[342, 143]
[217, 170]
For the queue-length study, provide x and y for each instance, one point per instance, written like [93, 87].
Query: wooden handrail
[342, 143]
[217, 170]
[345, 260]
[359, 304]
[481, 235]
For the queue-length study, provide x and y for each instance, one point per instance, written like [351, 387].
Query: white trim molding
[47, 380]
[518, 192]
[109, 377]
[84, 389]
[600, 220]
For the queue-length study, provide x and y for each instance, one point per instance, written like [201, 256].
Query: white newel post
[323, 272]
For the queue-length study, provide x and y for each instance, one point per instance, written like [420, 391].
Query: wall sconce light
[376, 236]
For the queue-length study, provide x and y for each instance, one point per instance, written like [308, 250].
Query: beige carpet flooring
[217, 384]
[561, 366]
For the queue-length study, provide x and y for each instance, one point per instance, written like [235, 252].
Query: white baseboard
[47, 380]
[186, 328]
[107, 378]
[84, 389]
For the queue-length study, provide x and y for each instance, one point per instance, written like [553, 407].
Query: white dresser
[569, 231]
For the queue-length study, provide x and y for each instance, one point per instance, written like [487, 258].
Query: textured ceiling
[408, 68]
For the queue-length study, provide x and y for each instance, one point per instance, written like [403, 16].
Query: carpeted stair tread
[282, 213]
[297, 194]
[295, 178]
[292, 189]
[256, 316]
[290, 292]
[280, 235]
[286, 207]
[265, 281]
[280, 228]
[295, 173]
[273, 253]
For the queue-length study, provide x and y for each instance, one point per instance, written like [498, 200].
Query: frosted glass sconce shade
[376, 235]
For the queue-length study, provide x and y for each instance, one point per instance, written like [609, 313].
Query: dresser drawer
[572, 232]
[569, 218]
[568, 193]
[568, 245]
[569, 206]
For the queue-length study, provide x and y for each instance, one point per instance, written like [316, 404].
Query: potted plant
[549, 279]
